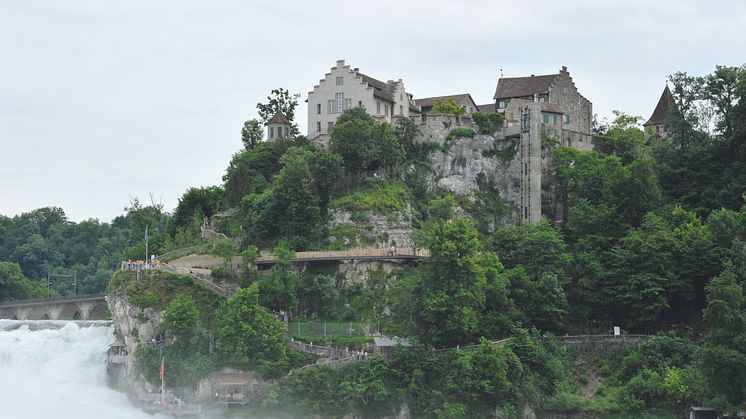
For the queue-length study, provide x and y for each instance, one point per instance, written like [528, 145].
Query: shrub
[488, 123]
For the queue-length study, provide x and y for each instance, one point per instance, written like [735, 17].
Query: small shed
[117, 352]
[234, 388]
[698, 412]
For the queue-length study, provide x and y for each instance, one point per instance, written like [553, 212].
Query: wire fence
[323, 329]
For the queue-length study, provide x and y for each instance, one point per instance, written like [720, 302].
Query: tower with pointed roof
[656, 124]
[279, 126]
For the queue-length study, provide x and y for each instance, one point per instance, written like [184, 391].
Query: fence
[322, 329]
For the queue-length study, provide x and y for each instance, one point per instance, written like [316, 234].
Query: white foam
[58, 370]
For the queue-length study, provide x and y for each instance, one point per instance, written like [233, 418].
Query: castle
[534, 107]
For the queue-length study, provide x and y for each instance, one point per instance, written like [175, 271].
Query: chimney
[564, 69]
[340, 63]
[532, 75]
[356, 69]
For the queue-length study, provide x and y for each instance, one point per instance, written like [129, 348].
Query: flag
[161, 371]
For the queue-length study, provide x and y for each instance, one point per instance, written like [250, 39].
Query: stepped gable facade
[566, 115]
[344, 87]
[656, 124]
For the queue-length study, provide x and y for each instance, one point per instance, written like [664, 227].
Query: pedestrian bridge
[77, 307]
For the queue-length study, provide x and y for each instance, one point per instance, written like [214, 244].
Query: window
[340, 80]
[359, 103]
[544, 97]
[318, 127]
[551, 132]
[566, 119]
[271, 132]
[318, 109]
[550, 118]
[401, 110]
[378, 107]
[501, 104]
[471, 110]
[279, 132]
[338, 104]
[329, 127]
[386, 111]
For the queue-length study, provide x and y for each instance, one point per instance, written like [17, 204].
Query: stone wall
[435, 127]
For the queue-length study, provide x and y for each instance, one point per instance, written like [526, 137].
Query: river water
[56, 369]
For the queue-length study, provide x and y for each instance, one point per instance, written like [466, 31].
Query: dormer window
[544, 97]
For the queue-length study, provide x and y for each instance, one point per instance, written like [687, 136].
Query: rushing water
[55, 369]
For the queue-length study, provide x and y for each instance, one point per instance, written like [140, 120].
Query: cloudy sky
[104, 101]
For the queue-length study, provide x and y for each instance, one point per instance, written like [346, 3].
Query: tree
[204, 202]
[448, 290]
[252, 133]
[279, 100]
[448, 107]
[248, 336]
[722, 357]
[278, 290]
[327, 168]
[352, 138]
[15, 286]
[181, 320]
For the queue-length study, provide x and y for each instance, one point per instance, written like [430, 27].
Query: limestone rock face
[133, 325]
[377, 230]
[457, 168]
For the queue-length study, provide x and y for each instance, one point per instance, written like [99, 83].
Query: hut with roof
[279, 126]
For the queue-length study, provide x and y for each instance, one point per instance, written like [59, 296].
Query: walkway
[404, 253]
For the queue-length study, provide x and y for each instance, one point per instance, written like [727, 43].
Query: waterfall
[57, 369]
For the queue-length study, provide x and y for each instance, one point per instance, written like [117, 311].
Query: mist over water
[52, 369]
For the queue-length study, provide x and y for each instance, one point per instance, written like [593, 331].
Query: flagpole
[146, 244]
[162, 374]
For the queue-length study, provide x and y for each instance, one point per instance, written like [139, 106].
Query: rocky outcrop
[456, 169]
[132, 325]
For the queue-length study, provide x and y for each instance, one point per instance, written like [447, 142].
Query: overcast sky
[104, 101]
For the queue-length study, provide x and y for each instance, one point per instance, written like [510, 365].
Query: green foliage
[365, 144]
[44, 241]
[156, 289]
[448, 107]
[277, 292]
[503, 150]
[199, 203]
[290, 208]
[15, 286]
[446, 294]
[252, 133]
[459, 133]
[379, 197]
[279, 100]
[248, 336]
[488, 123]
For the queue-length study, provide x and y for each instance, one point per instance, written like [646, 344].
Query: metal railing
[323, 329]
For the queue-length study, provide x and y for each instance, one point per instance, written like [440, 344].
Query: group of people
[140, 265]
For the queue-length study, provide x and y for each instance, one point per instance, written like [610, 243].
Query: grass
[381, 198]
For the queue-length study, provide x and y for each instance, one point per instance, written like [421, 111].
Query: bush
[460, 133]
[488, 123]
[380, 197]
